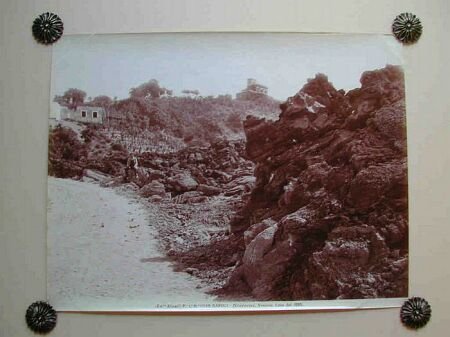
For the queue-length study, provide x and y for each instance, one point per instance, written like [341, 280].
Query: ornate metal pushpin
[415, 312]
[407, 28]
[41, 317]
[47, 28]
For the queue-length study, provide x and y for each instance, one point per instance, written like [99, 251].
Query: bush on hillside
[65, 153]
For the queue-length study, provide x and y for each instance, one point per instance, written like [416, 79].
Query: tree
[64, 144]
[60, 100]
[72, 98]
[65, 153]
[149, 89]
[191, 92]
[102, 100]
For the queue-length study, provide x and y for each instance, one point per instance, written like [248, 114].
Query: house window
[94, 114]
[83, 113]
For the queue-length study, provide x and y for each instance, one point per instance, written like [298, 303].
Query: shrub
[64, 153]
[118, 147]
[87, 134]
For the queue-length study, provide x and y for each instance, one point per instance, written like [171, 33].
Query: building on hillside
[86, 114]
[253, 90]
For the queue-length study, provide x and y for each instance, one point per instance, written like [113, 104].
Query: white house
[87, 114]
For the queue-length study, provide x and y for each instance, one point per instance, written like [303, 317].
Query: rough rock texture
[327, 216]
[152, 189]
[219, 169]
[208, 190]
[183, 182]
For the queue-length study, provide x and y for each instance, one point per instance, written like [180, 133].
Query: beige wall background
[24, 106]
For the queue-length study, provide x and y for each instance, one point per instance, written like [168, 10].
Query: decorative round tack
[407, 28]
[415, 312]
[47, 28]
[41, 317]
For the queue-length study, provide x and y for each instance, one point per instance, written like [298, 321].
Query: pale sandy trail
[102, 253]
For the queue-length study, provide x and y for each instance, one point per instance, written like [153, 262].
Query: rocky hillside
[328, 216]
[168, 124]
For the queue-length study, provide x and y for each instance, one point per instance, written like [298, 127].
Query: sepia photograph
[226, 171]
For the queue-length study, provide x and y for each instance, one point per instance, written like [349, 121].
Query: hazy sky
[215, 63]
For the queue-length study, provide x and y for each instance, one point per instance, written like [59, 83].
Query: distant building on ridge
[253, 91]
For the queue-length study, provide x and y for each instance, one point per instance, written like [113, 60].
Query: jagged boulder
[355, 262]
[95, 176]
[372, 184]
[154, 174]
[255, 229]
[262, 263]
[182, 182]
[209, 190]
[155, 188]
[191, 197]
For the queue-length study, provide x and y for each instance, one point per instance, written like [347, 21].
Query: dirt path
[102, 252]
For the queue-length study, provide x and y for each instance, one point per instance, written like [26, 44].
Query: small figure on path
[131, 168]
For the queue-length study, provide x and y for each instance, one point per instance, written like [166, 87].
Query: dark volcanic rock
[152, 189]
[370, 185]
[212, 170]
[183, 182]
[192, 197]
[209, 190]
[355, 262]
[327, 215]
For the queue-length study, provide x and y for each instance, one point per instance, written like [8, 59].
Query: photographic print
[227, 171]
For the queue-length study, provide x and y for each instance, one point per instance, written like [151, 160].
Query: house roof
[90, 108]
[257, 85]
